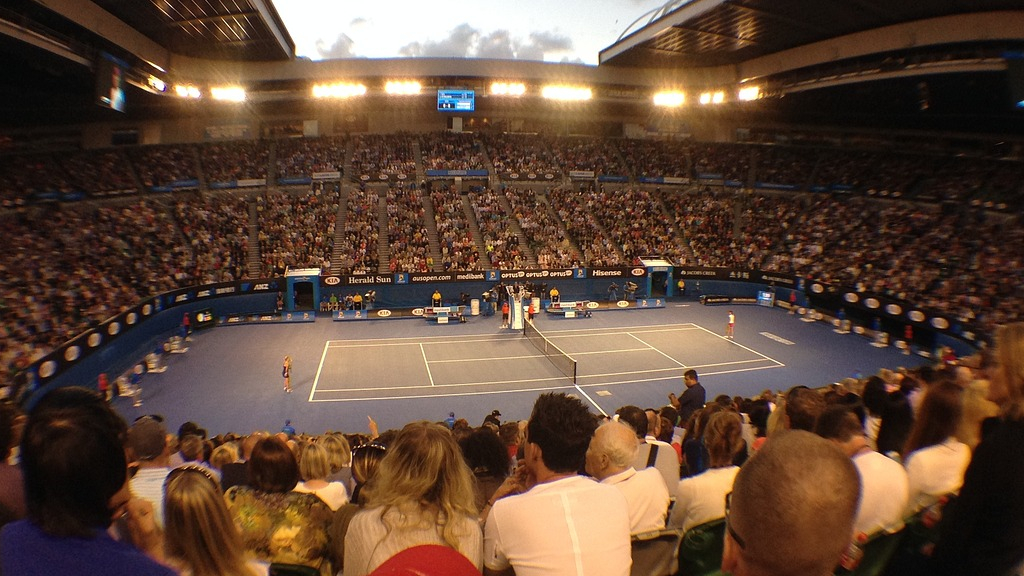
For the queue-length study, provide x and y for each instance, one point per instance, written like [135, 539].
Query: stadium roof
[702, 33]
[210, 29]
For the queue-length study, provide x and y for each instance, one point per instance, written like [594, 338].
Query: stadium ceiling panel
[723, 32]
[209, 29]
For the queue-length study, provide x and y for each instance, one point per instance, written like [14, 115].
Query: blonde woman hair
[339, 452]
[223, 454]
[423, 474]
[314, 464]
[1007, 385]
[199, 534]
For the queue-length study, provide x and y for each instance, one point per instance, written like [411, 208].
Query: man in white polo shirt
[610, 461]
[555, 522]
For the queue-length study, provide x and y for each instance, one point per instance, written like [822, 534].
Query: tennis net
[560, 359]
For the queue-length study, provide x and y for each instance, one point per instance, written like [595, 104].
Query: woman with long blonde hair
[200, 538]
[422, 493]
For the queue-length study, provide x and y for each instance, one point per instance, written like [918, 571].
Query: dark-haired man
[76, 484]
[557, 522]
[691, 400]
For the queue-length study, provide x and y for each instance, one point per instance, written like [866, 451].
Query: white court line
[458, 385]
[487, 359]
[647, 370]
[658, 350]
[426, 364]
[648, 349]
[650, 380]
[733, 342]
[319, 370]
[446, 395]
[596, 405]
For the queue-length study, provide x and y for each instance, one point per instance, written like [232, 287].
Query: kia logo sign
[940, 323]
[364, 177]
[132, 318]
[94, 339]
[383, 313]
[147, 310]
[916, 315]
[72, 353]
[593, 305]
[637, 271]
[851, 297]
[332, 280]
[622, 304]
[817, 288]
[417, 311]
[113, 329]
[894, 309]
[872, 303]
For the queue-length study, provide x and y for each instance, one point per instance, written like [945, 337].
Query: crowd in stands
[98, 172]
[217, 232]
[545, 236]
[577, 216]
[301, 157]
[521, 153]
[781, 165]
[801, 480]
[24, 175]
[636, 221]
[165, 165]
[452, 151]
[659, 159]
[66, 270]
[458, 249]
[408, 237]
[359, 250]
[731, 161]
[236, 160]
[391, 154]
[297, 231]
[586, 154]
[500, 240]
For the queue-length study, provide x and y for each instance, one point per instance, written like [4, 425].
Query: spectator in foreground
[76, 485]
[701, 498]
[984, 531]
[610, 461]
[935, 459]
[314, 467]
[885, 489]
[422, 494]
[557, 522]
[200, 538]
[791, 510]
[277, 524]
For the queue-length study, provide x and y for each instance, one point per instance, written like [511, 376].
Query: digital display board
[204, 318]
[456, 100]
[110, 82]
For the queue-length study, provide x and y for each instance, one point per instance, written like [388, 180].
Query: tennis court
[352, 370]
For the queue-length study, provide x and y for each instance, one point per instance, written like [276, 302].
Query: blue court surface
[402, 370]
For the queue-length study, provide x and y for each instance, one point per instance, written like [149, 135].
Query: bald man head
[612, 450]
[792, 509]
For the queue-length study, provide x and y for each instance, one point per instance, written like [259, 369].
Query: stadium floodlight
[402, 88]
[567, 93]
[338, 90]
[187, 91]
[670, 99]
[712, 97]
[749, 93]
[508, 88]
[228, 93]
[156, 84]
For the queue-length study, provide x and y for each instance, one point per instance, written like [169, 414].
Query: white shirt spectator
[935, 471]
[666, 461]
[701, 498]
[884, 493]
[564, 527]
[646, 497]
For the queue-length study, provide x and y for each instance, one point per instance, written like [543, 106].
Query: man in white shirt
[557, 523]
[147, 441]
[610, 461]
[885, 489]
[652, 452]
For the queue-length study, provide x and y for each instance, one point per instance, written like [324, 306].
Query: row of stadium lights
[668, 99]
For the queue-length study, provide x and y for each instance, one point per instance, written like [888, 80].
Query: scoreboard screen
[456, 100]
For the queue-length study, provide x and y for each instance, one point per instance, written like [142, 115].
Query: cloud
[356, 22]
[465, 41]
[342, 48]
